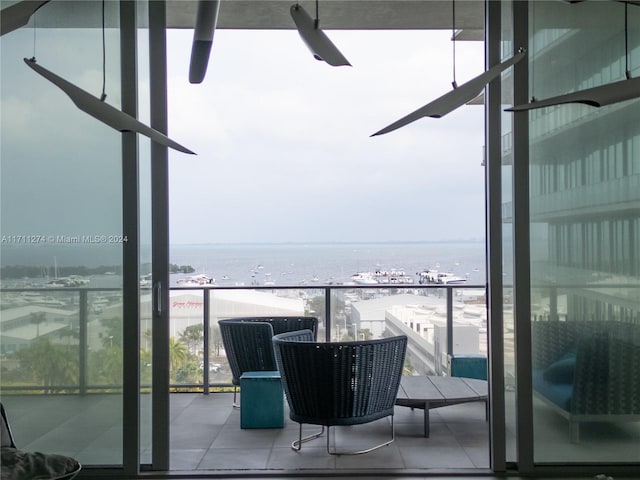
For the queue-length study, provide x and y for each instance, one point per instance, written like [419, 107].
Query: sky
[283, 141]
[283, 144]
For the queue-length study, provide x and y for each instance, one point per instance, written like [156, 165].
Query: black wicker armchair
[342, 383]
[285, 324]
[248, 346]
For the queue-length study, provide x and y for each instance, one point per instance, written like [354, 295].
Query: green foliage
[112, 335]
[49, 364]
[173, 268]
[364, 334]
[146, 370]
[188, 372]
[193, 337]
[215, 340]
[105, 366]
[185, 367]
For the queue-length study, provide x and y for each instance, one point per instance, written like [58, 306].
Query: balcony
[81, 414]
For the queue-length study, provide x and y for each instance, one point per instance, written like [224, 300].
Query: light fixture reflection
[319, 44]
[456, 98]
[627, 89]
[18, 15]
[104, 112]
[206, 21]
[600, 96]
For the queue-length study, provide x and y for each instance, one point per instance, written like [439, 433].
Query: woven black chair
[247, 342]
[285, 324]
[342, 383]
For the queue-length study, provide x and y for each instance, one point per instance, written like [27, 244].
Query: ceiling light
[18, 15]
[206, 21]
[104, 112]
[456, 98]
[600, 96]
[596, 97]
[319, 44]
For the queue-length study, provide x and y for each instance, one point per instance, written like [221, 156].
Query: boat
[439, 278]
[364, 278]
[196, 280]
[395, 276]
[451, 279]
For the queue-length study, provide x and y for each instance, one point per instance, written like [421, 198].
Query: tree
[178, 353]
[51, 364]
[37, 318]
[112, 334]
[215, 341]
[145, 367]
[188, 372]
[364, 334]
[193, 336]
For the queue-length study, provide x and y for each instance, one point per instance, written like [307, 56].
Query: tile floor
[206, 435]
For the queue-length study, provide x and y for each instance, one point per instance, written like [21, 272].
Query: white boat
[364, 278]
[451, 279]
[382, 277]
[441, 278]
[196, 280]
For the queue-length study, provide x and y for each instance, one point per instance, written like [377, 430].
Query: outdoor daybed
[588, 370]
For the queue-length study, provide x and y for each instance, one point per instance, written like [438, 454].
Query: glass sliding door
[584, 217]
[62, 237]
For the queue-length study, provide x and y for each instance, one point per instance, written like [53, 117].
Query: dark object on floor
[21, 465]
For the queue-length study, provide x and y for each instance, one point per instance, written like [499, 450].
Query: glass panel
[61, 247]
[584, 215]
[507, 240]
[144, 191]
[360, 313]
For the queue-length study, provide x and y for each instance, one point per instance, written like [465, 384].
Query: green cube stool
[261, 400]
[468, 365]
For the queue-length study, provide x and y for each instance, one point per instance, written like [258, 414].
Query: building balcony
[617, 195]
[81, 414]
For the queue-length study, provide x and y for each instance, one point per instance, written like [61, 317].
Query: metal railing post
[553, 304]
[83, 343]
[449, 321]
[327, 313]
[205, 331]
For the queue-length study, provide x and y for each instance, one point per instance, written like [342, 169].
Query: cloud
[284, 147]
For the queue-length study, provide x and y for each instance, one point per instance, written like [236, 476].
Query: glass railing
[69, 339]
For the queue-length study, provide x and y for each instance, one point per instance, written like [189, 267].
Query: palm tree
[193, 336]
[38, 318]
[178, 353]
[53, 365]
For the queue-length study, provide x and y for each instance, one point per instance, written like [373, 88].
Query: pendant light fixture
[600, 96]
[102, 111]
[18, 15]
[456, 98]
[206, 21]
[632, 2]
[460, 95]
[321, 47]
[97, 108]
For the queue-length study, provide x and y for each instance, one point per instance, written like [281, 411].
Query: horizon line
[346, 242]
